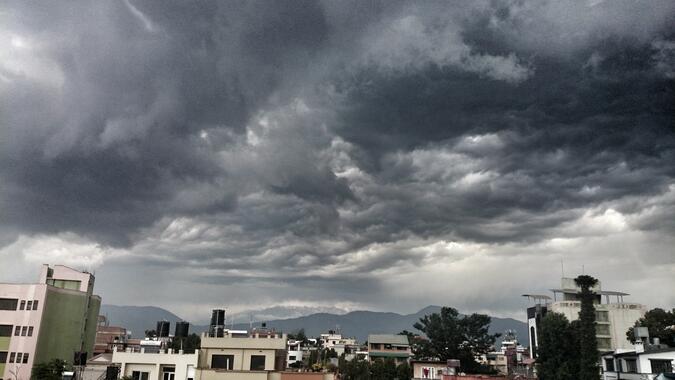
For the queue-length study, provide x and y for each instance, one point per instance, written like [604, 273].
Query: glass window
[8, 303]
[30, 331]
[19, 356]
[257, 362]
[602, 316]
[11, 357]
[25, 358]
[222, 361]
[24, 330]
[6, 330]
[35, 305]
[631, 365]
[661, 366]
[609, 364]
[601, 329]
[3, 357]
[29, 306]
[138, 375]
[23, 305]
[17, 331]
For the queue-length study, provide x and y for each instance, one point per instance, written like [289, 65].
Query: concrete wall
[645, 366]
[231, 375]
[23, 344]
[153, 363]
[242, 357]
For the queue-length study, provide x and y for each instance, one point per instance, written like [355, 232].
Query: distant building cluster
[58, 318]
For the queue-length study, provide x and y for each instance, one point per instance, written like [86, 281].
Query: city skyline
[358, 155]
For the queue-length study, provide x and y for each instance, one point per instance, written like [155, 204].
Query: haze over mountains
[355, 323]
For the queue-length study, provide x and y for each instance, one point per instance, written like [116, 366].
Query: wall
[22, 318]
[645, 366]
[136, 361]
[242, 357]
[231, 375]
[60, 334]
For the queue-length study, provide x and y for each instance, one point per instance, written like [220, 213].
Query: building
[160, 365]
[384, 346]
[51, 319]
[431, 369]
[239, 355]
[613, 316]
[294, 352]
[109, 336]
[341, 345]
[643, 362]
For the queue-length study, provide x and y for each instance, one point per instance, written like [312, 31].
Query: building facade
[51, 319]
[389, 346]
[241, 355]
[163, 365]
[638, 365]
[613, 318]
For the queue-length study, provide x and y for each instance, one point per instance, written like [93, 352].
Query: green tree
[190, 344]
[356, 369]
[383, 369]
[558, 349]
[588, 344]
[661, 324]
[450, 336]
[52, 370]
[404, 371]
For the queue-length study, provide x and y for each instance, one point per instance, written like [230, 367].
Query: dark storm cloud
[315, 143]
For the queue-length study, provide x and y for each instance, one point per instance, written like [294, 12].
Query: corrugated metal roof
[388, 339]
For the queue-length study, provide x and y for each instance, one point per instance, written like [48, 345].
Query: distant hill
[356, 324]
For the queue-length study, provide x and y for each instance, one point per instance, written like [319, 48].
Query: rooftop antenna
[562, 267]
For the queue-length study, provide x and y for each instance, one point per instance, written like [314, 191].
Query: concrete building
[50, 319]
[108, 337]
[294, 352]
[613, 318]
[639, 364]
[238, 355]
[162, 365]
[384, 346]
[341, 345]
[430, 369]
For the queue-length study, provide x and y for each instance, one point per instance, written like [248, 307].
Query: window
[5, 330]
[609, 364]
[3, 357]
[30, 330]
[602, 316]
[29, 306]
[257, 362]
[23, 305]
[8, 303]
[25, 358]
[138, 375]
[24, 330]
[291, 357]
[35, 304]
[631, 365]
[604, 343]
[222, 361]
[601, 329]
[11, 357]
[17, 331]
[661, 366]
[19, 356]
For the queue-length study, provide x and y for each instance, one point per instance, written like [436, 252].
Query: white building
[613, 317]
[338, 343]
[639, 364]
[294, 352]
[163, 365]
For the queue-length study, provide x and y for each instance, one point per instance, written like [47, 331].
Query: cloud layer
[339, 153]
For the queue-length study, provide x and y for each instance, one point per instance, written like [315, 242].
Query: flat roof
[601, 292]
[388, 339]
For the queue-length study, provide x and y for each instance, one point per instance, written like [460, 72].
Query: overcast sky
[373, 155]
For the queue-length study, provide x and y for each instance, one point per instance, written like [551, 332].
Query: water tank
[163, 329]
[182, 329]
[218, 317]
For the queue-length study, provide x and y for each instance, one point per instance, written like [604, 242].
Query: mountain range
[356, 324]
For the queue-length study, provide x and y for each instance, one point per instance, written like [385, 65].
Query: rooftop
[388, 339]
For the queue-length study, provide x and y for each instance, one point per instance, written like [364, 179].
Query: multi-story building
[51, 319]
[161, 365]
[613, 317]
[342, 345]
[646, 361]
[239, 355]
[108, 337]
[294, 352]
[386, 346]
